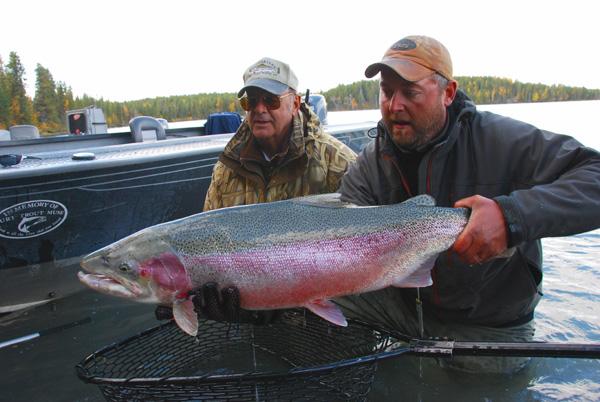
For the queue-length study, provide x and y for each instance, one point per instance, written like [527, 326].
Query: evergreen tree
[21, 109]
[45, 103]
[64, 101]
[4, 98]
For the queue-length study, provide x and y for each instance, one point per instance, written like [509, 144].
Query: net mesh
[300, 357]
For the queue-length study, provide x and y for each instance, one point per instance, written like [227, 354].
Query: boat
[64, 196]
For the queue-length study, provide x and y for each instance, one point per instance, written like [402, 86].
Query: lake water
[43, 369]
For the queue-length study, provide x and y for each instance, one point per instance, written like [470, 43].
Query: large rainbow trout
[299, 252]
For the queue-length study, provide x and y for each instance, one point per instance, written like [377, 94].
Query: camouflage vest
[314, 163]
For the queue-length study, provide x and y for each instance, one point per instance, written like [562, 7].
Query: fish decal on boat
[299, 252]
[27, 223]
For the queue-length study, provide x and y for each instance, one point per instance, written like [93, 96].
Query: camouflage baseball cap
[414, 58]
[271, 75]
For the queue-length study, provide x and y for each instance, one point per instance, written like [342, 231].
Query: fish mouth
[106, 284]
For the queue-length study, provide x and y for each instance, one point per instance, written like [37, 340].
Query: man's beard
[423, 132]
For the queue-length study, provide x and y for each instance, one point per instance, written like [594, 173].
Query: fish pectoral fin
[185, 317]
[420, 278]
[328, 311]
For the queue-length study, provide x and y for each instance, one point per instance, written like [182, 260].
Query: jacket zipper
[429, 168]
[402, 177]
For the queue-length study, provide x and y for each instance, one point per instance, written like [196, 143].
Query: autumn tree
[64, 100]
[4, 98]
[20, 109]
[45, 103]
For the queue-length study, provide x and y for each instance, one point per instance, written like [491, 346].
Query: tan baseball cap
[271, 75]
[414, 58]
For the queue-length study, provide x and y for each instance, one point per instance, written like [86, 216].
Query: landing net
[300, 357]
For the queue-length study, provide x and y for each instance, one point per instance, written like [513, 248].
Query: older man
[280, 151]
[521, 184]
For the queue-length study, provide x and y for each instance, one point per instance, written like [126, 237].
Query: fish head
[141, 267]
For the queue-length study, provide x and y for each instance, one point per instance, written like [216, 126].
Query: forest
[52, 99]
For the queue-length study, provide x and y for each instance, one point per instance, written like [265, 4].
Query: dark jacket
[546, 184]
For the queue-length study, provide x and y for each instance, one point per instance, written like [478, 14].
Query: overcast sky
[129, 49]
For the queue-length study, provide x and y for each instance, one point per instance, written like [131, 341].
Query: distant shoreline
[47, 110]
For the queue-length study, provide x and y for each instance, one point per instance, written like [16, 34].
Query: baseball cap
[272, 75]
[414, 58]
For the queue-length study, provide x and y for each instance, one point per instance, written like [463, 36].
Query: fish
[28, 222]
[301, 252]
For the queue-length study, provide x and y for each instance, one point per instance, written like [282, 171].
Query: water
[572, 118]
[568, 312]
[43, 368]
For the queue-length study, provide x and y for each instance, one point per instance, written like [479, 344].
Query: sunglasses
[13, 159]
[271, 102]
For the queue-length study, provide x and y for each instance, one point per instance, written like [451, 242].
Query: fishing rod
[44, 332]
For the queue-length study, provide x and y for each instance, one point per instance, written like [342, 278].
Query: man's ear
[450, 92]
[297, 101]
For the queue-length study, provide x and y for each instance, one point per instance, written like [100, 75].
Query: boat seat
[146, 128]
[223, 122]
[163, 122]
[4, 135]
[318, 104]
[24, 132]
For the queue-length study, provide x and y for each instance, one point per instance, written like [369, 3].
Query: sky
[130, 49]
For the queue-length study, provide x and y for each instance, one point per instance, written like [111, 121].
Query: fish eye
[124, 267]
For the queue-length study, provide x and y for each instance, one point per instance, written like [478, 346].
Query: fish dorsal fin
[330, 200]
[423, 200]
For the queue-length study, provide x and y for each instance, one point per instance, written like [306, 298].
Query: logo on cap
[263, 69]
[271, 75]
[404, 44]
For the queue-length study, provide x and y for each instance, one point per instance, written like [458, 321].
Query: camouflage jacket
[314, 163]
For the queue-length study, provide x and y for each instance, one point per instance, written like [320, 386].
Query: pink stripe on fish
[292, 274]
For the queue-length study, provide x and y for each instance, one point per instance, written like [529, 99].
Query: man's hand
[221, 306]
[485, 235]
[214, 306]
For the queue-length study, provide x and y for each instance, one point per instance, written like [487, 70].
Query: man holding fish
[520, 183]
[279, 152]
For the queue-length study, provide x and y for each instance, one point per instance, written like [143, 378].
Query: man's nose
[260, 106]
[397, 101]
